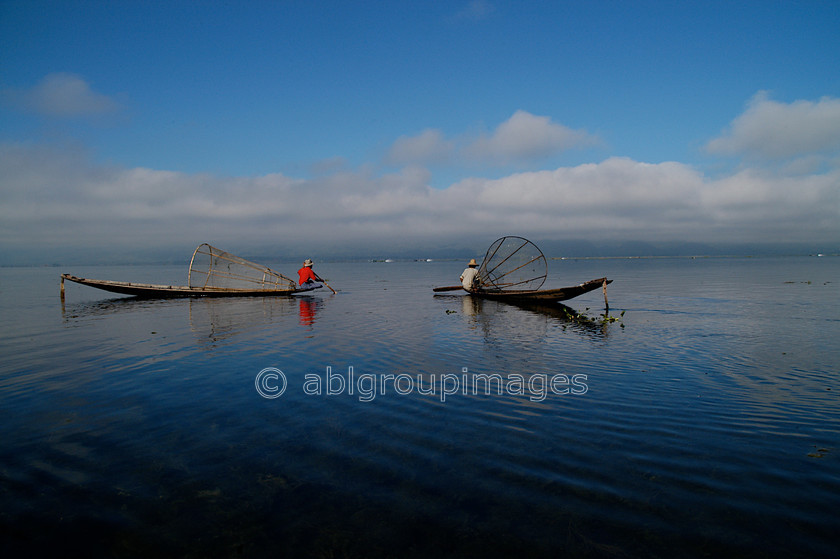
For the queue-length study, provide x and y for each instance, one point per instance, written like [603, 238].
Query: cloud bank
[57, 198]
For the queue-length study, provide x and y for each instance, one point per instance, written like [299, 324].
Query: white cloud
[772, 130]
[527, 137]
[62, 95]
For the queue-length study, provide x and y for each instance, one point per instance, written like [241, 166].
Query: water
[704, 421]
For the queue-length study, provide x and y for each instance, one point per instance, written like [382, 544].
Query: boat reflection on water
[550, 312]
[212, 321]
[216, 321]
[74, 312]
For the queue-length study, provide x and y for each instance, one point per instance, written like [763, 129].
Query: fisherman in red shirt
[308, 278]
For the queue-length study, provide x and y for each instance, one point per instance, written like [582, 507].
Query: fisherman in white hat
[469, 278]
[307, 277]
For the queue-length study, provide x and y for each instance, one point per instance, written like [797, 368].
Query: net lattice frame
[212, 268]
[513, 263]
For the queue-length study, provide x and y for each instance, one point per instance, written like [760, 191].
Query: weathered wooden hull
[160, 291]
[544, 295]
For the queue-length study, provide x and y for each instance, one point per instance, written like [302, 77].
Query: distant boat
[212, 273]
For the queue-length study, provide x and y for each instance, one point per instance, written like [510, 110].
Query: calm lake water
[703, 422]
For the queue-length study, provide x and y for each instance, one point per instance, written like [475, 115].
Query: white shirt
[467, 278]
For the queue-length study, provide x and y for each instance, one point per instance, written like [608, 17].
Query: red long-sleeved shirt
[305, 274]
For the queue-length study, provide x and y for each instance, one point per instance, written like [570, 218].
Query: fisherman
[469, 278]
[307, 277]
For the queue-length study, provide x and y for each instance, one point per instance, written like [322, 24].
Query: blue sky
[340, 125]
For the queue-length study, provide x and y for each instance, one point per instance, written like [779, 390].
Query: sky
[327, 127]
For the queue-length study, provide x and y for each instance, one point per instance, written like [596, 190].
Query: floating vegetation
[603, 318]
[818, 452]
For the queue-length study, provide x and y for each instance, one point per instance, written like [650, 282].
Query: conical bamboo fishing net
[513, 263]
[212, 268]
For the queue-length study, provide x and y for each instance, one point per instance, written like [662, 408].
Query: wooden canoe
[149, 290]
[544, 295]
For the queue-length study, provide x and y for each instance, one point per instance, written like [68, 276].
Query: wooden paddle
[448, 288]
[328, 285]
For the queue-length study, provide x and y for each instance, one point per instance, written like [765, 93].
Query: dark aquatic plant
[583, 318]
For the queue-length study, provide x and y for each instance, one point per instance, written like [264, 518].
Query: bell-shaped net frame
[212, 268]
[513, 263]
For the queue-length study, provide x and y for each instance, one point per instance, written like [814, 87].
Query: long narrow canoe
[537, 295]
[151, 290]
[544, 295]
